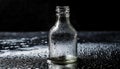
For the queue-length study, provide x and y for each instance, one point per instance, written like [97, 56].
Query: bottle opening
[63, 10]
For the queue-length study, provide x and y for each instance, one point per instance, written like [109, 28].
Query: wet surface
[30, 51]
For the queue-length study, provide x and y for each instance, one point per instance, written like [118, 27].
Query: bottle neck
[62, 14]
[63, 18]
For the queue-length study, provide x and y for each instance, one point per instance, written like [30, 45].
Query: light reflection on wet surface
[36, 56]
[33, 52]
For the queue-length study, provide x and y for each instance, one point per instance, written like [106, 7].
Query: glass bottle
[63, 38]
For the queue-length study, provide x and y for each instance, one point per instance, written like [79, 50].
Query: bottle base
[63, 59]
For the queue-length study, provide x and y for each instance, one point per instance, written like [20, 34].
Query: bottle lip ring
[62, 8]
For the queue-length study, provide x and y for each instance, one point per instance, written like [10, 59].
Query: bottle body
[63, 42]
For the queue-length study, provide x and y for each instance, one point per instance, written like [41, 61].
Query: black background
[39, 15]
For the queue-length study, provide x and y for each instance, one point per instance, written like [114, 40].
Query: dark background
[39, 15]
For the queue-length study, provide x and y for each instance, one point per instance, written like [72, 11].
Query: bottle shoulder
[63, 29]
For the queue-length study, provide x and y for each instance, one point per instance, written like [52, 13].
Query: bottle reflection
[65, 66]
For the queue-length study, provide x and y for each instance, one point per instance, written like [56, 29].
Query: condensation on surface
[24, 57]
[32, 52]
[84, 49]
[36, 56]
[93, 49]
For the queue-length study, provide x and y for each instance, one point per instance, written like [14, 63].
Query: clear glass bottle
[63, 38]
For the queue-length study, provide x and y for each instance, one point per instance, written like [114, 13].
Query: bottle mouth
[62, 9]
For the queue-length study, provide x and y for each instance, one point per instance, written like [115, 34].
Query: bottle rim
[62, 9]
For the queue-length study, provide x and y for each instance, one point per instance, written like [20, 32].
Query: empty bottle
[62, 38]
